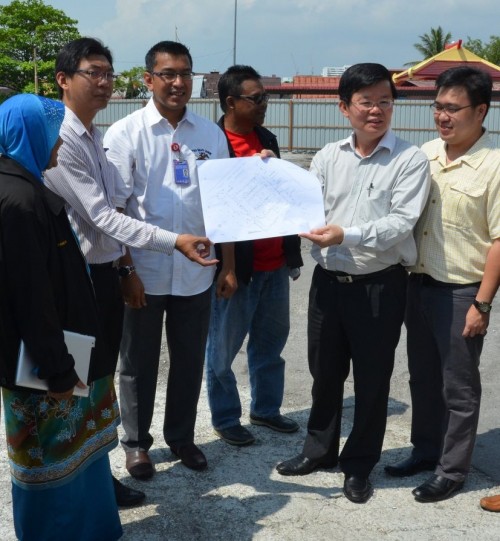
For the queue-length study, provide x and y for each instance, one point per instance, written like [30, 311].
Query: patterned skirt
[49, 441]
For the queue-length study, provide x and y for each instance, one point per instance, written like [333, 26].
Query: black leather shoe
[357, 489]
[280, 423]
[301, 465]
[126, 496]
[409, 466]
[436, 488]
[235, 435]
[190, 455]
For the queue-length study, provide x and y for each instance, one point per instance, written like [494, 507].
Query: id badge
[181, 172]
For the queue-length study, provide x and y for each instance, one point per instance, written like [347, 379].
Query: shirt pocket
[376, 205]
[462, 204]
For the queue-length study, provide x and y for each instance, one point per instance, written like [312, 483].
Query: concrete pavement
[241, 497]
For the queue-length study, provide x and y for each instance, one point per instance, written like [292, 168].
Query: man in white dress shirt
[156, 150]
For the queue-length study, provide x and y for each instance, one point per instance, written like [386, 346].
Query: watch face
[483, 307]
[124, 271]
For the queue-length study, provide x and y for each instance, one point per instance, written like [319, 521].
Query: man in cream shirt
[452, 285]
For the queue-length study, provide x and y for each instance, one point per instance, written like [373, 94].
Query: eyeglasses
[171, 76]
[367, 106]
[256, 99]
[450, 110]
[97, 75]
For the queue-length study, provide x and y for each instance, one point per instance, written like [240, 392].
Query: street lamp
[234, 40]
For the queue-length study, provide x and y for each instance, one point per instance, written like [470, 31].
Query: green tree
[489, 51]
[431, 44]
[31, 35]
[130, 84]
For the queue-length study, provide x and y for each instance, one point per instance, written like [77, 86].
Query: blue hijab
[29, 128]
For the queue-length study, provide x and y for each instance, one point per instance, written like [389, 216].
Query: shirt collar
[153, 116]
[474, 156]
[388, 142]
[71, 120]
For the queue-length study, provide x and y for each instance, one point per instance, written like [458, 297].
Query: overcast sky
[282, 37]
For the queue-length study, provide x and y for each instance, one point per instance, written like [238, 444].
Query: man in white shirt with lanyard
[375, 186]
[156, 150]
[85, 179]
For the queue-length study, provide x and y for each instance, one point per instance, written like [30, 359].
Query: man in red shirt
[260, 306]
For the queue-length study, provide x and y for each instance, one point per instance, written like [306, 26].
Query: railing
[308, 124]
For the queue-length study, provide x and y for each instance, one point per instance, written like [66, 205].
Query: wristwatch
[126, 271]
[483, 307]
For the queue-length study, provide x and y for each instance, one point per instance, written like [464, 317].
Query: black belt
[344, 278]
[108, 265]
[427, 280]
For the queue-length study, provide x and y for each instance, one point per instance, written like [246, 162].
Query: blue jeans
[261, 309]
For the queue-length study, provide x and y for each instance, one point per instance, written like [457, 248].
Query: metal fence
[308, 124]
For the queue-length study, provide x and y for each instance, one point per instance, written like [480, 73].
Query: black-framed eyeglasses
[99, 75]
[171, 76]
[256, 99]
[447, 108]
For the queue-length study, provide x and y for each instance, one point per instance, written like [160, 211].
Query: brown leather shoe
[139, 465]
[491, 503]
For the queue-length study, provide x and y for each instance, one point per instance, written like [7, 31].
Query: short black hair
[477, 83]
[170, 47]
[72, 53]
[231, 80]
[362, 75]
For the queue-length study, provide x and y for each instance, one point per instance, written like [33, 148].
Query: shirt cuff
[166, 240]
[120, 202]
[352, 237]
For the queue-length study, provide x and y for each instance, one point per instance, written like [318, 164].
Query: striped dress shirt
[86, 180]
[376, 199]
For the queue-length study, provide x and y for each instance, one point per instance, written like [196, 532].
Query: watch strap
[483, 307]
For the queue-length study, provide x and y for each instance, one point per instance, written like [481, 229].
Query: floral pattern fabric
[49, 441]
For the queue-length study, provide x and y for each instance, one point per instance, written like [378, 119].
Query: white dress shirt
[376, 199]
[86, 181]
[140, 145]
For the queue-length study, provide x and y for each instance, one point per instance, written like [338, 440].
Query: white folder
[79, 346]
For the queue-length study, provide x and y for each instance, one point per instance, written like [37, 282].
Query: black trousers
[186, 326]
[359, 321]
[110, 307]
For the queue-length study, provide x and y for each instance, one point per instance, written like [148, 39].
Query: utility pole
[35, 69]
[234, 40]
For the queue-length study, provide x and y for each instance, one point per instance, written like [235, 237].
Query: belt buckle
[344, 279]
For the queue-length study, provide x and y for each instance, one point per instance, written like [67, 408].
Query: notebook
[79, 346]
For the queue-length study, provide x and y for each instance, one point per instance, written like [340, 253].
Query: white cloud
[282, 36]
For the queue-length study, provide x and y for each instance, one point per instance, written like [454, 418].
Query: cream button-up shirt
[462, 216]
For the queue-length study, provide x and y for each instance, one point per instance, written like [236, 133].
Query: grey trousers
[186, 325]
[445, 382]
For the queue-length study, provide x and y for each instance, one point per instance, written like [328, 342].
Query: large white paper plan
[254, 198]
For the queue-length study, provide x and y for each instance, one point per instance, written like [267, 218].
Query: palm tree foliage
[431, 44]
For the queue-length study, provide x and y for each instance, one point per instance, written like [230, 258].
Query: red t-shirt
[268, 254]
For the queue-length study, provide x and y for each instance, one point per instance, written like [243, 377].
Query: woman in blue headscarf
[57, 443]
